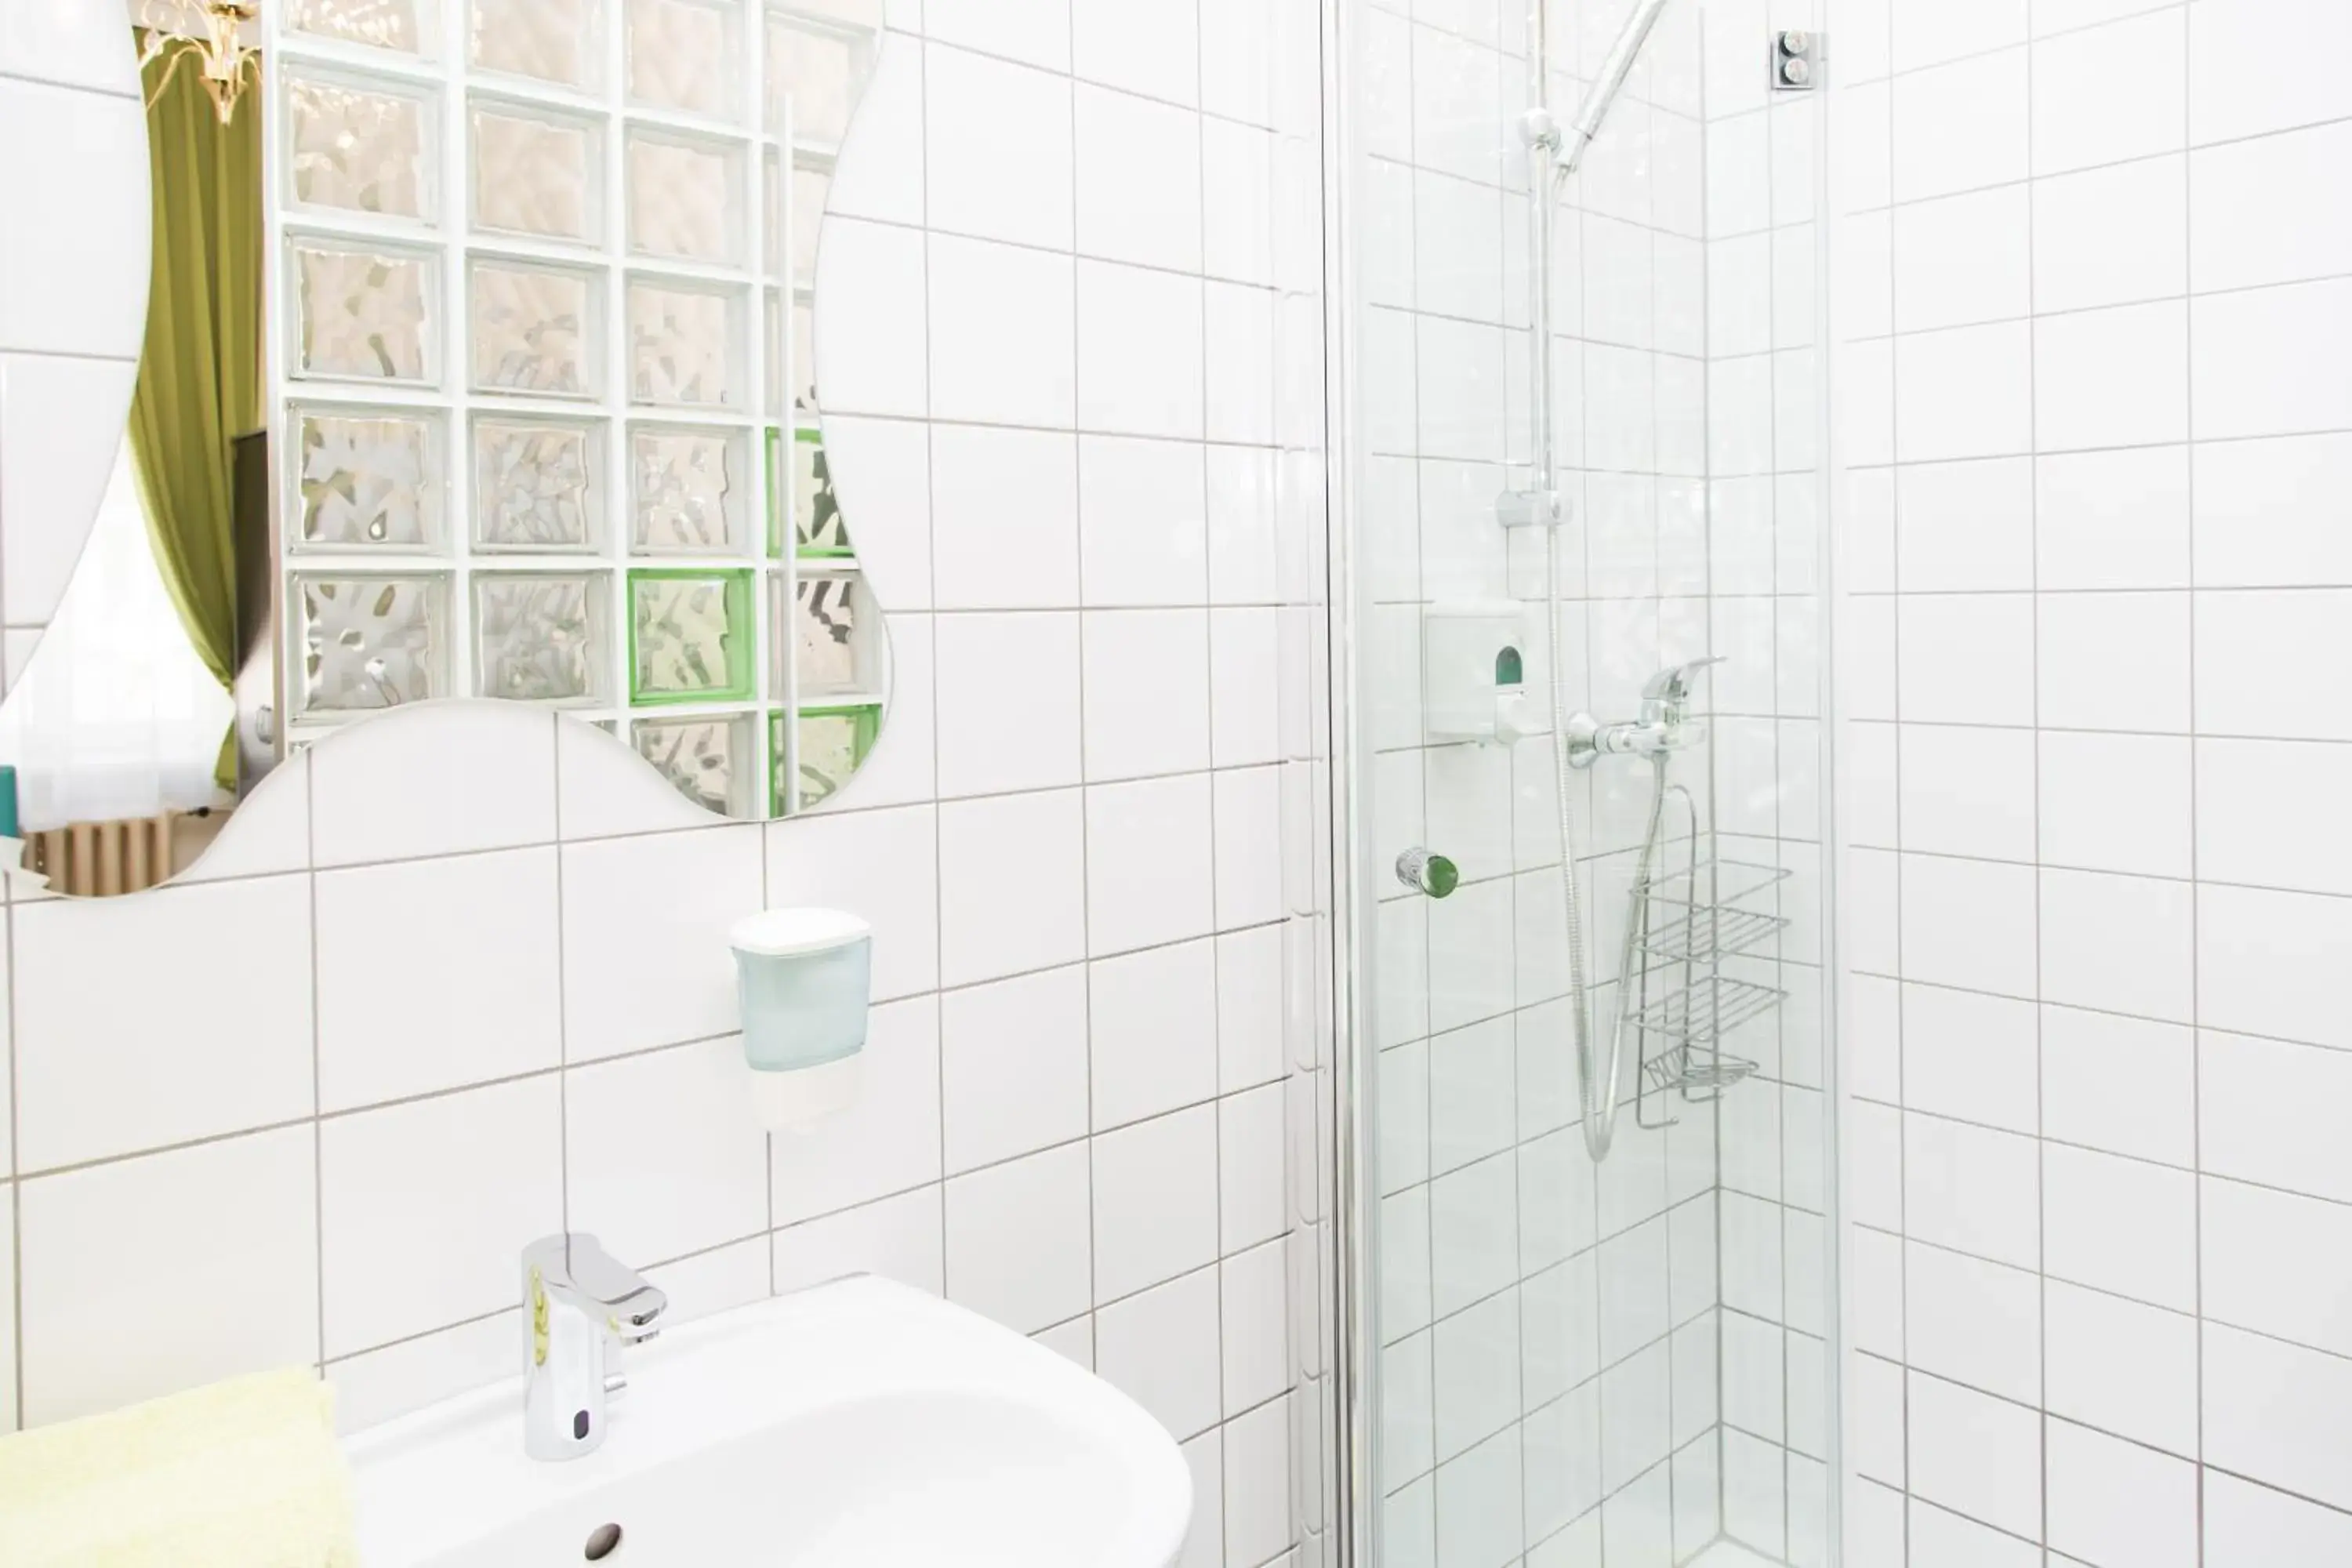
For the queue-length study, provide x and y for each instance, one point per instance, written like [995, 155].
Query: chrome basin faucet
[579, 1307]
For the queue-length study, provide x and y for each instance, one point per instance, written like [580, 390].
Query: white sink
[858, 1424]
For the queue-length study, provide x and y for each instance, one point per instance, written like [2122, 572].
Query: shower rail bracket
[1531, 509]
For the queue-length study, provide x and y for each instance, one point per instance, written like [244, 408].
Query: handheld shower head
[1614, 69]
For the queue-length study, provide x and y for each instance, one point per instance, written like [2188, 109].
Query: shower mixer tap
[1665, 724]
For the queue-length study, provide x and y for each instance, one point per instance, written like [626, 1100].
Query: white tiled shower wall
[1550, 1328]
[2096, 284]
[458, 978]
[1766, 526]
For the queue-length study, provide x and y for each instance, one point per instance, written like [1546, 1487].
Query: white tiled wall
[1764, 550]
[73, 305]
[2096, 317]
[457, 978]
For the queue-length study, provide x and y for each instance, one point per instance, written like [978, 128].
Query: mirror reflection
[478, 364]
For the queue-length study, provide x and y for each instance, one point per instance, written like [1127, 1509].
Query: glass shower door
[1605, 1309]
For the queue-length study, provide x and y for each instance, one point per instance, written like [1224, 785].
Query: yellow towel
[245, 1474]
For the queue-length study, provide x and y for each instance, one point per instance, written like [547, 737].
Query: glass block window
[360, 148]
[547, 394]
[368, 479]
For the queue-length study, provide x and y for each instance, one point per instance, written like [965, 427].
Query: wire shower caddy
[1685, 1006]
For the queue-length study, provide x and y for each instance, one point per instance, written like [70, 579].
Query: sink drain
[603, 1541]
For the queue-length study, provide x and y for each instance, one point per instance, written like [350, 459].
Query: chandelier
[212, 34]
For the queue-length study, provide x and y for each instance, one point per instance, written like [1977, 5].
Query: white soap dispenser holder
[1475, 659]
[805, 979]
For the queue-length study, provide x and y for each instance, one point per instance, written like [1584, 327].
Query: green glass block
[711, 761]
[818, 532]
[690, 637]
[831, 745]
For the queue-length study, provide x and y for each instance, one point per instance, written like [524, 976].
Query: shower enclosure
[1588, 1274]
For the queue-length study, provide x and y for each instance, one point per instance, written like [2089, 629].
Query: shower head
[1605, 88]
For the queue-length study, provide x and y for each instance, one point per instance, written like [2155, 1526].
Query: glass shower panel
[1604, 1318]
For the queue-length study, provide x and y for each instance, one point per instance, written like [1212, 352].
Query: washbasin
[856, 1424]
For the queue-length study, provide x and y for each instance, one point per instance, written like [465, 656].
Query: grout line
[318, 1060]
[2196, 886]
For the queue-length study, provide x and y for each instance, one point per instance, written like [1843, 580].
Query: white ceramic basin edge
[856, 1425]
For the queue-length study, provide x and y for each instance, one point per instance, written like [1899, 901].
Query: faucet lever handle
[578, 1262]
[1674, 683]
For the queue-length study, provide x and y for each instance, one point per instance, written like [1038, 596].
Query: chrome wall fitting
[1425, 872]
[1796, 61]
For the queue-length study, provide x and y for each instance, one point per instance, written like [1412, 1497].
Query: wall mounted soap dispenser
[804, 977]
[1475, 657]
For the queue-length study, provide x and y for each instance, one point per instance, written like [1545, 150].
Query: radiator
[98, 859]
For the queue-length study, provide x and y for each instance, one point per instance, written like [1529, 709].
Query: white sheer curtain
[116, 716]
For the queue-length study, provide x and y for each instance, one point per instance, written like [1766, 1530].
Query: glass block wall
[546, 419]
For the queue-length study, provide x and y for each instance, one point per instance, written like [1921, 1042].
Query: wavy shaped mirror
[478, 366]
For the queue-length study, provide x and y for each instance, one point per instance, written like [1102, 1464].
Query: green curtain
[200, 376]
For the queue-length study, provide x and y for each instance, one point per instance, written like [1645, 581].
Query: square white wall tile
[1979, 1456]
[425, 1207]
[1005, 519]
[1148, 857]
[2112, 236]
[1154, 50]
[1017, 1241]
[2110, 94]
[1254, 1335]
[885, 1141]
[231, 1222]
[2274, 1412]
[2121, 1366]
[105, 1067]
[1961, 127]
[662, 1155]
[1003, 346]
[998, 149]
[1146, 676]
[1013, 1075]
[1036, 31]
[1161, 1347]
[1250, 1171]
[2120, 1225]
[486, 928]
[67, 297]
[1013, 874]
[1140, 352]
[59, 462]
[2246, 84]
[381, 1385]
[872, 277]
[2254, 222]
[1143, 521]
[1155, 1205]
[1009, 716]
[646, 961]
[1153, 1031]
[898, 1238]
[1139, 178]
[1973, 1189]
